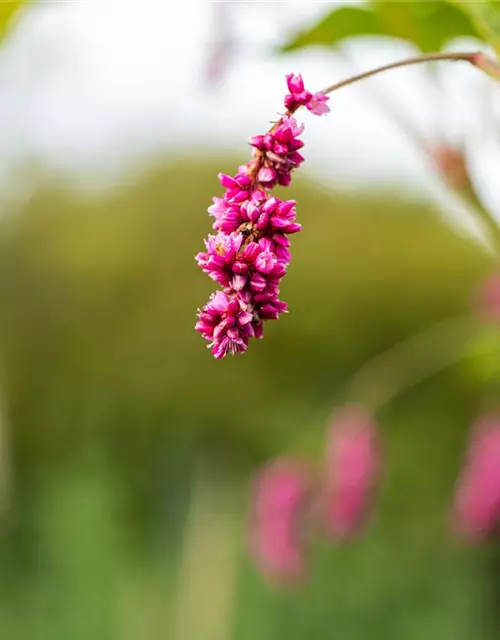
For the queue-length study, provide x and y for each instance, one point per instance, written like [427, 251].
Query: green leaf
[8, 11]
[483, 352]
[428, 25]
[337, 26]
[485, 17]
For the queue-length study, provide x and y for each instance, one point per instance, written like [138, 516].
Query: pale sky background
[96, 86]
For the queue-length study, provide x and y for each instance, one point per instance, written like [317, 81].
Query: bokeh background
[126, 451]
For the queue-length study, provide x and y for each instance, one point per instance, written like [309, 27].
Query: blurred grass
[112, 399]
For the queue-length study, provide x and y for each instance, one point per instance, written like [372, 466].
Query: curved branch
[477, 59]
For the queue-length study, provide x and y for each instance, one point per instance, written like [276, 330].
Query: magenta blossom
[226, 264]
[227, 323]
[279, 151]
[352, 469]
[476, 508]
[277, 539]
[299, 96]
[250, 253]
[260, 214]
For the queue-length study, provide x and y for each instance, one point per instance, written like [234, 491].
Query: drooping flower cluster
[250, 253]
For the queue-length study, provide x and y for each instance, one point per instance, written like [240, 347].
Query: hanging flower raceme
[250, 253]
[476, 508]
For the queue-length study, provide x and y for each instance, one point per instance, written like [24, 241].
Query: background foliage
[112, 400]
[426, 24]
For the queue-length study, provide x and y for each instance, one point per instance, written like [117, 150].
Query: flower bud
[295, 83]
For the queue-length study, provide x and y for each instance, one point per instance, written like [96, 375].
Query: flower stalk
[479, 60]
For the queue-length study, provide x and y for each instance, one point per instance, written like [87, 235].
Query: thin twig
[473, 58]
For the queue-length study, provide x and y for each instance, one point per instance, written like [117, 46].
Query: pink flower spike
[249, 254]
[476, 505]
[352, 470]
[277, 527]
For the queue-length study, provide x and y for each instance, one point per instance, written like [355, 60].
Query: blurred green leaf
[113, 400]
[338, 25]
[8, 10]
[428, 25]
[483, 352]
[485, 17]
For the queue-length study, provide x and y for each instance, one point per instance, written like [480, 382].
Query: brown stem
[477, 59]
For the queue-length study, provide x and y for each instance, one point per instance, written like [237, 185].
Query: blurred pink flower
[277, 539]
[352, 469]
[476, 506]
[487, 299]
[451, 164]
[317, 104]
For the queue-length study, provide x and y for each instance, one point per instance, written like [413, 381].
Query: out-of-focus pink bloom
[219, 55]
[352, 470]
[487, 299]
[451, 164]
[476, 506]
[277, 540]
